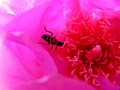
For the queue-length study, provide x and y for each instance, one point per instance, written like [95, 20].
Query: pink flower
[89, 58]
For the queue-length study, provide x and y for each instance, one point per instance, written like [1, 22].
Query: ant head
[44, 36]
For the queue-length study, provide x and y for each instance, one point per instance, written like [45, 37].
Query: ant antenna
[48, 31]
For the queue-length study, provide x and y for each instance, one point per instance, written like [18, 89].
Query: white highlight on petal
[44, 79]
[4, 6]
[17, 33]
[96, 13]
[1, 1]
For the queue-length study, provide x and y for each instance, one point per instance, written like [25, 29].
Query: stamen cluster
[91, 50]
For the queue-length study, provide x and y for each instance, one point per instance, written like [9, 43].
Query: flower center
[90, 50]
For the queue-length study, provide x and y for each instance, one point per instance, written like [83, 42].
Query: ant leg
[51, 47]
[56, 47]
[48, 31]
[43, 43]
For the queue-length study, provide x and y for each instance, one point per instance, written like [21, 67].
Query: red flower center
[90, 50]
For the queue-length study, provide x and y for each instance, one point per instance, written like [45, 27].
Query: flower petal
[115, 24]
[18, 64]
[39, 2]
[106, 84]
[53, 17]
[29, 26]
[97, 7]
[118, 79]
[55, 83]
[15, 6]
[5, 19]
[25, 26]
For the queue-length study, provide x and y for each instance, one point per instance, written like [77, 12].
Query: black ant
[51, 39]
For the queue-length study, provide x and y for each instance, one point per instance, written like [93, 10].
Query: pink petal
[55, 83]
[5, 19]
[97, 7]
[105, 5]
[15, 6]
[118, 79]
[39, 2]
[18, 64]
[19, 6]
[26, 26]
[106, 84]
[115, 24]
[29, 26]
[60, 64]
[54, 16]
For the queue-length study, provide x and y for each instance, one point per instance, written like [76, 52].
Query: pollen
[90, 50]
